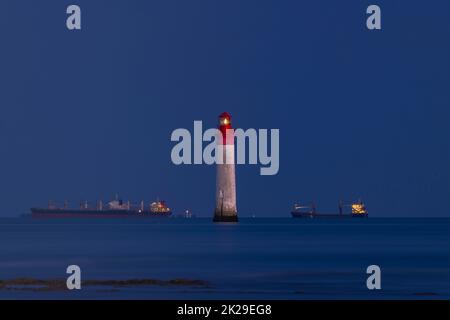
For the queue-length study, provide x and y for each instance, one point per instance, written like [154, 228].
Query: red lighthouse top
[224, 125]
[225, 119]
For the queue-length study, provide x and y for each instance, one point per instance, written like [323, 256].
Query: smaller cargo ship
[115, 208]
[357, 209]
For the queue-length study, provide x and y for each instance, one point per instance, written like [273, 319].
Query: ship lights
[358, 208]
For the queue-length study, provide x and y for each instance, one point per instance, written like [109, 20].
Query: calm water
[255, 259]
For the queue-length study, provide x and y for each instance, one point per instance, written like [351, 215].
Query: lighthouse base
[225, 218]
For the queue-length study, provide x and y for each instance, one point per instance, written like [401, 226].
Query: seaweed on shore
[30, 284]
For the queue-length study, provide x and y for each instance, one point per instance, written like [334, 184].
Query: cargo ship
[357, 210]
[115, 208]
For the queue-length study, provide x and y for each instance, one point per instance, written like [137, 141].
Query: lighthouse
[225, 210]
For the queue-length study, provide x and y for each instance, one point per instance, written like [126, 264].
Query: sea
[257, 258]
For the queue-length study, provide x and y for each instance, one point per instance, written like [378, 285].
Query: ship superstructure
[357, 209]
[114, 208]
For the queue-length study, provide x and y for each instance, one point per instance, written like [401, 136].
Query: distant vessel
[358, 210]
[114, 208]
[187, 214]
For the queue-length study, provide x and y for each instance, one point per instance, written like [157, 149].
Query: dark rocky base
[232, 218]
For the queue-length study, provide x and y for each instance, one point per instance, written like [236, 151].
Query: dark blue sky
[361, 114]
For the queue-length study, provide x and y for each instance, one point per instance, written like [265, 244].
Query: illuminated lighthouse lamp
[224, 119]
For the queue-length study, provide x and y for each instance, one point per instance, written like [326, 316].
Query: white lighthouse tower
[225, 210]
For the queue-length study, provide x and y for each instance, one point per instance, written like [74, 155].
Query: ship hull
[68, 213]
[326, 215]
